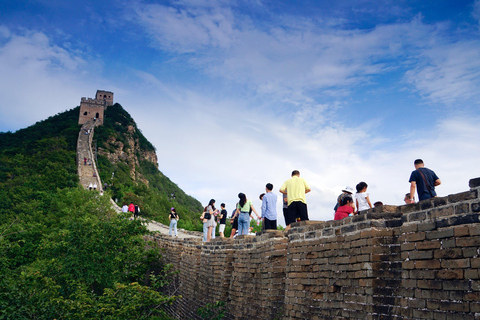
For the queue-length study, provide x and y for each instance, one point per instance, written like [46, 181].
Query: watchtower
[105, 96]
[94, 108]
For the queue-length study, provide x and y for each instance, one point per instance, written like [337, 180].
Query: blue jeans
[173, 225]
[243, 223]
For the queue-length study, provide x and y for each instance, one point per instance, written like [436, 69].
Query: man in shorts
[223, 220]
[295, 188]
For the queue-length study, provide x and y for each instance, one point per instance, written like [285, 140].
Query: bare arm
[283, 191]
[437, 182]
[236, 213]
[253, 209]
[413, 185]
[308, 190]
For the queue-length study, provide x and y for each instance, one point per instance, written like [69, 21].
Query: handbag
[207, 215]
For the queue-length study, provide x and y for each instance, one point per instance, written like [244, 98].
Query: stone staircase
[88, 173]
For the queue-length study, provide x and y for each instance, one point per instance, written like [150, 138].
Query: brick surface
[417, 261]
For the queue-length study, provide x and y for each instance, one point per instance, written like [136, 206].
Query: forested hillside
[125, 152]
[64, 253]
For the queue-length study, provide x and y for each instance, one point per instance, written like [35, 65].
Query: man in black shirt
[223, 220]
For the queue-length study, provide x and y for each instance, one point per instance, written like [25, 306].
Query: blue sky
[235, 94]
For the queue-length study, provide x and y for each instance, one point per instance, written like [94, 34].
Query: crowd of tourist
[422, 180]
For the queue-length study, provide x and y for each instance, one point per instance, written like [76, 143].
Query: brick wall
[418, 261]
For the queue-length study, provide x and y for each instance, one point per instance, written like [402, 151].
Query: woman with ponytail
[244, 209]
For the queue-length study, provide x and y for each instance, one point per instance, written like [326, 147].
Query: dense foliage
[64, 254]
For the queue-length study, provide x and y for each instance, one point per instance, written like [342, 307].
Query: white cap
[348, 189]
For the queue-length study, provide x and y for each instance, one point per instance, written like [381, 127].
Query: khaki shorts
[221, 228]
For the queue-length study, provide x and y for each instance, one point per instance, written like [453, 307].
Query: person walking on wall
[223, 220]
[424, 180]
[243, 212]
[173, 217]
[136, 212]
[131, 209]
[269, 208]
[234, 222]
[208, 220]
[296, 188]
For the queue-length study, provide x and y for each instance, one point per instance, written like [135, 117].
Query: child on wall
[362, 198]
[345, 209]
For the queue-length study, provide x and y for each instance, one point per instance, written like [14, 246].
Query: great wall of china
[417, 261]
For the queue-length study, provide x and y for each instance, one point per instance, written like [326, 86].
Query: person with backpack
[173, 217]
[208, 220]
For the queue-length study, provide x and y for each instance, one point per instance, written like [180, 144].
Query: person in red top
[347, 207]
[131, 208]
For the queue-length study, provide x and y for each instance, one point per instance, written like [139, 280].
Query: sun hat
[348, 189]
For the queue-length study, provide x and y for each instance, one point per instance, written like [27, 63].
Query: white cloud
[187, 29]
[476, 10]
[287, 58]
[216, 148]
[448, 73]
[39, 79]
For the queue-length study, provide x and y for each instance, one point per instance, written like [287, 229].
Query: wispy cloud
[293, 56]
[40, 74]
[448, 73]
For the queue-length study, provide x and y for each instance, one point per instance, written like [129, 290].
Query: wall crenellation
[417, 261]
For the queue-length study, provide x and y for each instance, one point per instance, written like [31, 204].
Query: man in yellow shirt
[295, 188]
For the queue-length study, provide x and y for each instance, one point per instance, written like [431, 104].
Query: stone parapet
[417, 261]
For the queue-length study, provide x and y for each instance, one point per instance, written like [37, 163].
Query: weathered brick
[463, 285]
[462, 208]
[455, 263]
[429, 284]
[439, 234]
[415, 236]
[426, 245]
[468, 242]
[476, 207]
[427, 264]
[449, 274]
[421, 255]
[410, 227]
[461, 231]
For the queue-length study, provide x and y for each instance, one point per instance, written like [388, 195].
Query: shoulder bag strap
[425, 180]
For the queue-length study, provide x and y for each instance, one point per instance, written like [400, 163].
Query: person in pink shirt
[347, 208]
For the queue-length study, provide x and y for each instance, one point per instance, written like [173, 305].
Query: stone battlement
[417, 261]
[84, 100]
[94, 108]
